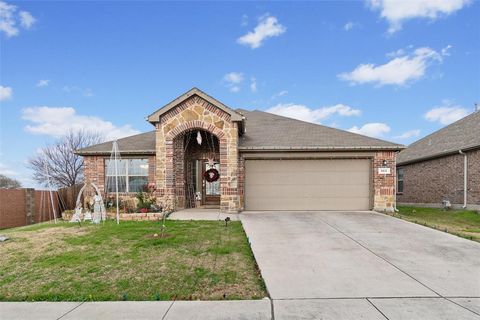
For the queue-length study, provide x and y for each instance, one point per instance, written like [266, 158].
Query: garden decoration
[113, 171]
[97, 209]
[47, 175]
[99, 212]
[77, 216]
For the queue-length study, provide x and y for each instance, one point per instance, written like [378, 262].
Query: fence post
[30, 205]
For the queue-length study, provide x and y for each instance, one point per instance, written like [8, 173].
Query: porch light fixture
[384, 163]
[199, 138]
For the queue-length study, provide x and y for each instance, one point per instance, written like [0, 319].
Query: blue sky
[394, 70]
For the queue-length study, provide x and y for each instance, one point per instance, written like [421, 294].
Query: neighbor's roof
[143, 143]
[461, 135]
[266, 131]
[155, 117]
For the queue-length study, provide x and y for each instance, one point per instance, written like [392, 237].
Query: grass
[463, 223]
[67, 262]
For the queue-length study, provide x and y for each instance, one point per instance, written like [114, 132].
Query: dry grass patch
[68, 262]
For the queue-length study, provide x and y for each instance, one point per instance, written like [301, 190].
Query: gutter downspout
[395, 184]
[465, 178]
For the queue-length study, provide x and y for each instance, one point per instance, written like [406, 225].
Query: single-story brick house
[444, 165]
[249, 160]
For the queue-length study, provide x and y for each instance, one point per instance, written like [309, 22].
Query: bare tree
[9, 183]
[63, 166]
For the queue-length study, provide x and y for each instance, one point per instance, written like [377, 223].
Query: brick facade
[94, 169]
[171, 168]
[384, 184]
[431, 181]
[195, 113]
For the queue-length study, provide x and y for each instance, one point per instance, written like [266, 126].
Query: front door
[211, 189]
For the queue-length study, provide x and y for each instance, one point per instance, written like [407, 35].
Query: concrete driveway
[363, 265]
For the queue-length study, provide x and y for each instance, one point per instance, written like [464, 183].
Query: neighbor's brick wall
[21, 207]
[94, 169]
[433, 180]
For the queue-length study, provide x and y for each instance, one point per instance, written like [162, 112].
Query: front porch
[197, 162]
[203, 214]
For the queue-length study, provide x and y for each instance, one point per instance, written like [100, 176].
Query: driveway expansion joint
[373, 305]
[63, 315]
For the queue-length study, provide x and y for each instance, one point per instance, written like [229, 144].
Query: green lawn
[67, 262]
[463, 223]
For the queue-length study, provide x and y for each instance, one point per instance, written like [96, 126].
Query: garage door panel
[306, 204]
[306, 191]
[336, 184]
[308, 178]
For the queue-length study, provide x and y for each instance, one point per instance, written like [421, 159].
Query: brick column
[384, 184]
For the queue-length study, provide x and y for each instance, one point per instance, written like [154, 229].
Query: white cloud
[233, 77]
[6, 93]
[244, 22]
[43, 83]
[9, 19]
[56, 122]
[398, 71]
[280, 94]
[304, 113]
[26, 19]
[445, 51]
[373, 129]
[349, 26]
[446, 113]
[253, 84]
[268, 26]
[86, 92]
[233, 81]
[409, 134]
[396, 12]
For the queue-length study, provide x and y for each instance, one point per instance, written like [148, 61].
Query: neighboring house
[248, 160]
[443, 166]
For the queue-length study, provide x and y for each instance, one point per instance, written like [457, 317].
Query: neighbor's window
[400, 180]
[132, 175]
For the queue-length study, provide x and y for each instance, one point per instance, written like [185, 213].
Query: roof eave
[107, 153]
[437, 155]
[332, 148]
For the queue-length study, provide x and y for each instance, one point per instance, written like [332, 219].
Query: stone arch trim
[194, 124]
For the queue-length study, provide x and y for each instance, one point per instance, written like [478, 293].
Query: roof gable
[461, 135]
[155, 117]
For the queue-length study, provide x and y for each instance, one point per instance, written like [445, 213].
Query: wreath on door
[211, 175]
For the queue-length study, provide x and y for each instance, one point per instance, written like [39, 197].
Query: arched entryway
[197, 169]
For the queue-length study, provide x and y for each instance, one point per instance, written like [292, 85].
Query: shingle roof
[461, 135]
[143, 143]
[265, 131]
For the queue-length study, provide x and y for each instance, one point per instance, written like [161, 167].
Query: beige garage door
[338, 184]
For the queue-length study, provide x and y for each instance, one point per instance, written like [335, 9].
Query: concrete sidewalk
[139, 310]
